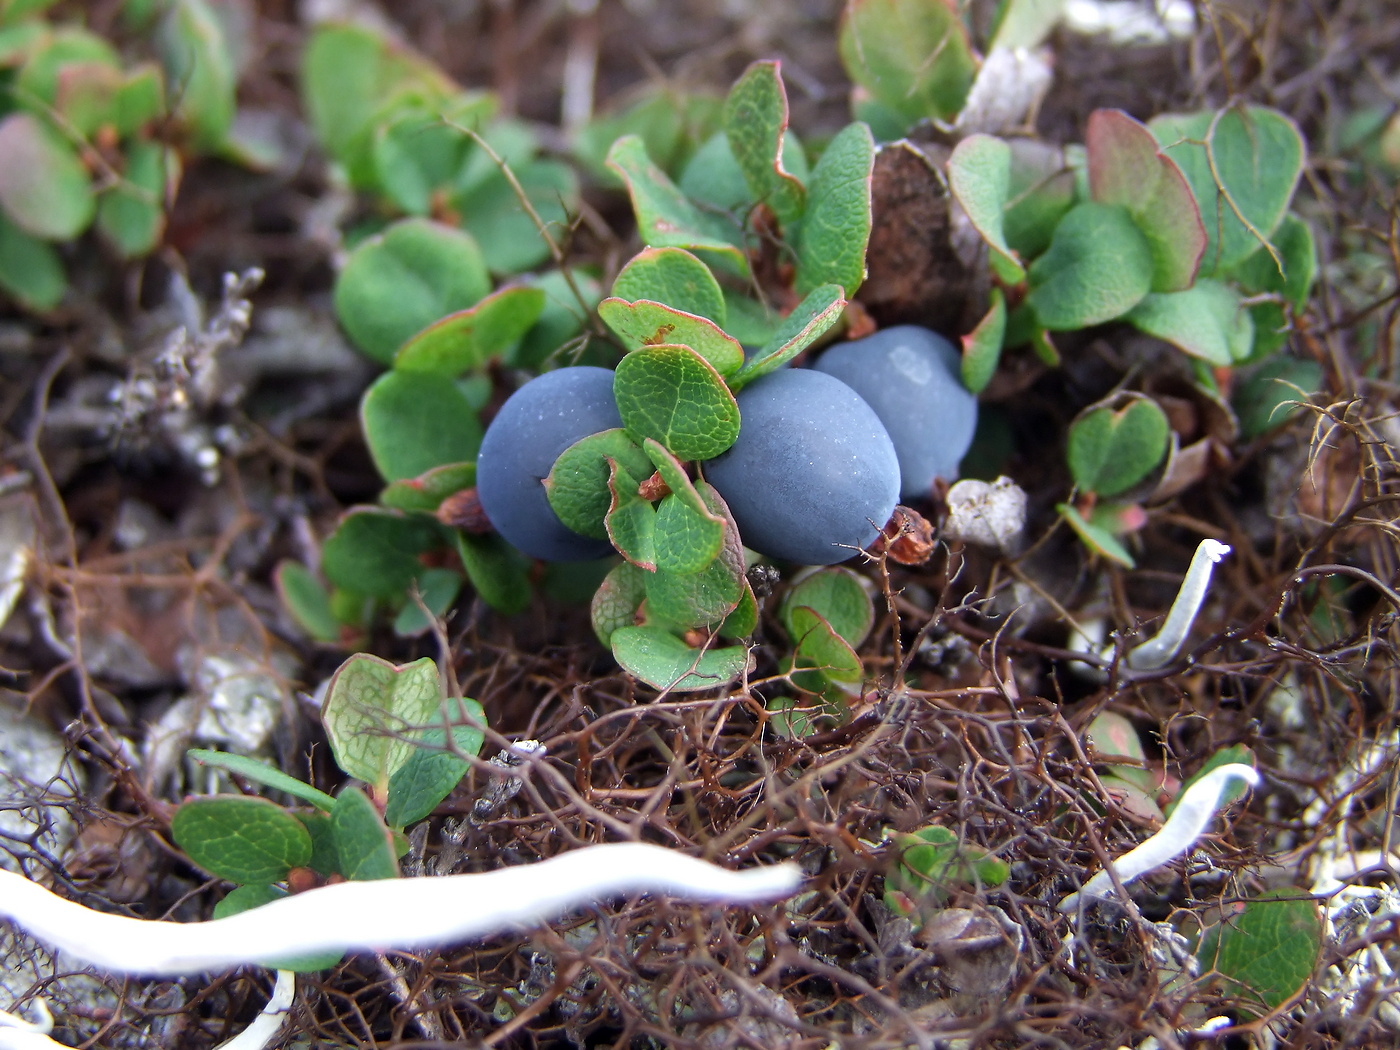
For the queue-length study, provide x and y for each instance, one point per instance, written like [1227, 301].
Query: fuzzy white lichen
[390, 913]
[1188, 822]
[1157, 651]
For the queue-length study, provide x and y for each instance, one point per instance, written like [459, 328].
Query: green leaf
[912, 56]
[755, 122]
[371, 710]
[241, 838]
[1263, 953]
[982, 346]
[675, 277]
[932, 862]
[1098, 267]
[672, 394]
[437, 590]
[44, 188]
[665, 217]
[561, 321]
[1025, 23]
[499, 573]
[417, 153]
[577, 484]
[246, 898]
[631, 520]
[1243, 165]
[85, 95]
[427, 491]
[139, 101]
[51, 56]
[664, 662]
[1041, 192]
[307, 600]
[397, 283]
[668, 121]
[415, 421]
[704, 598]
[433, 771]
[617, 599]
[262, 773]
[837, 595]
[713, 176]
[1127, 169]
[362, 842]
[509, 238]
[1115, 742]
[469, 339]
[199, 64]
[675, 477]
[647, 323]
[812, 319]
[347, 72]
[836, 227]
[1260, 275]
[1096, 537]
[1208, 321]
[792, 721]
[131, 214]
[30, 269]
[742, 621]
[819, 647]
[1112, 449]
[1267, 397]
[686, 542]
[979, 174]
[376, 552]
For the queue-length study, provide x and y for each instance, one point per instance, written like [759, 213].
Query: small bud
[462, 510]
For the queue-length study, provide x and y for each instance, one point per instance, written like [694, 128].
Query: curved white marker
[1155, 652]
[382, 915]
[1188, 822]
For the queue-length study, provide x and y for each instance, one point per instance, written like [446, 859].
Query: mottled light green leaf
[812, 319]
[1263, 953]
[835, 230]
[616, 601]
[982, 346]
[470, 338]
[979, 174]
[647, 323]
[50, 56]
[675, 277]
[397, 283]
[1243, 165]
[1112, 448]
[246, 898]
[755, 122]
[44, 188]
[1126, 168]
[912, 56]
[672, 394]
[1208, 321]
[372, 709]
[241, 838]
[362, 841]
[376, 552]
[577, 484]
[1098, 267]
[415, 421]
[664, 662]
[665, 217]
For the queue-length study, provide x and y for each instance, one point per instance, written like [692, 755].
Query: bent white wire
[1193, 813]
[1155, 652]
[390, 913]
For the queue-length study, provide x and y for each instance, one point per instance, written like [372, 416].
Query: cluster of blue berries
[823, 455]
